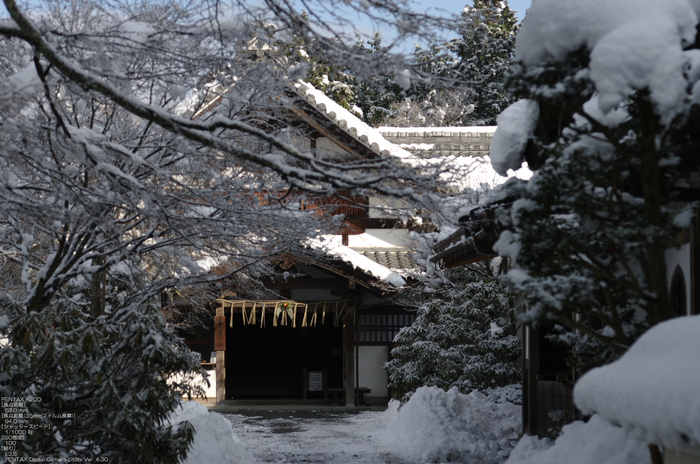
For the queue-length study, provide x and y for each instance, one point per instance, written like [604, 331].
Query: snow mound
[593, 442]
[652, 390]
[554, 28]
[214, 440]
[515, 126]
[634, 44]
[438, 426]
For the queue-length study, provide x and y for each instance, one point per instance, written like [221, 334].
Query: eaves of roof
[462, 252]
[353, 273]
[442, 141]
[474, 239]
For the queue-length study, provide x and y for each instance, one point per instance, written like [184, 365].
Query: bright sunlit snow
[634, 44]
[515, 126]
[332, 245]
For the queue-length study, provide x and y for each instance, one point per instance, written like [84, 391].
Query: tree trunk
[98, 291]
[655, 200]
[656, 456]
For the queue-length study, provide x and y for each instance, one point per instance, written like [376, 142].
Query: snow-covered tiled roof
[332, 246]
[370, 137]
[442, 141]
[392, 258]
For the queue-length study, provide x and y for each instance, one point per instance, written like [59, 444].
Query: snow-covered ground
[593, 442]
[433, 427]
[314, 437]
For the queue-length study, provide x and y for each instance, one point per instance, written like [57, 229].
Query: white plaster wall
[302, 143]
[327, 149]
[372, 375]
[679, 257]
[211, 389]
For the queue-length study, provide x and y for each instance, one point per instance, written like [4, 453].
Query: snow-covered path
[433, 427]
[284, 437]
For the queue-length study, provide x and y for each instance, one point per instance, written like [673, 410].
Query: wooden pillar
[531, 369]
[304, 382]
[525, 373]
[349, 361]
[357, 363]
[220, 347]
[694, 270]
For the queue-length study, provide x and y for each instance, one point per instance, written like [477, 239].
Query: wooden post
[694, 262]
[357, 363]
[525, 373]
[305, 383]
[349, 361]
[220, 347]
[533, 371]
[325, 383]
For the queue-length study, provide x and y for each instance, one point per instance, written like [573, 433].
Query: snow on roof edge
[351, 124]
[331, 245]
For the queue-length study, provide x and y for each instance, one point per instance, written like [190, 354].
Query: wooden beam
[533, 370]
[200, 341]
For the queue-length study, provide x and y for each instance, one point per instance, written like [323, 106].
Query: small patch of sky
[347, 21]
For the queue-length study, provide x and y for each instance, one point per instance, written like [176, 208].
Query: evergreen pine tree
[103, 379]
[369, 96]
[464, 79]
[485, 51]
[589, 232]
[375, 94]
[464, 336]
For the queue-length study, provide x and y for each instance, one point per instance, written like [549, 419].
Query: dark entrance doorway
[267, 362]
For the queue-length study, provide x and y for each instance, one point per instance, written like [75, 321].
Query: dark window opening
[678, 293]
[380, 329]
